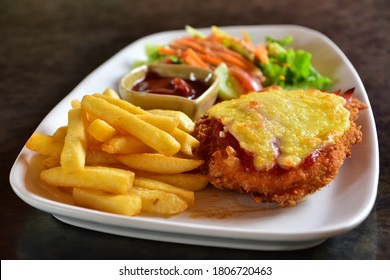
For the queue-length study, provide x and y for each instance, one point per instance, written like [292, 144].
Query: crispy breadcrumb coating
[228, 166]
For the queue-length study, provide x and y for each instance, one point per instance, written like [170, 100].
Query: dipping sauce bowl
[189, 89]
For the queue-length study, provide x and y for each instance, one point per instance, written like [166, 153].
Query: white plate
[220, 218]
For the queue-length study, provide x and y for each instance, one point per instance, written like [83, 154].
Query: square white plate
[222, 218]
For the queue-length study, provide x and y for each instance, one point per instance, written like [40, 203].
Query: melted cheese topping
[283, 127]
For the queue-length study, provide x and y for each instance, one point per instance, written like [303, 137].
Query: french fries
[158, 163]
[45, 144]
[187, 141]
[75, 145]
[101, 130]
[154, 137]
[111, 92]
[128, 204]
[151, 184]
[160, 202]
[108, 179]
[121, 104]
[165, 123]
[125, 145]
[115, 157]
[185, 122]
[60, 133]
[187, 181]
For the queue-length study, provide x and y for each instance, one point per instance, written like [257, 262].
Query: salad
[242, 65]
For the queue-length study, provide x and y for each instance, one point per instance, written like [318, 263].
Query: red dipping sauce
[155, 83]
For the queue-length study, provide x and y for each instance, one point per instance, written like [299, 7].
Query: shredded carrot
[239, 60]
[209, 52]
[215, 49]
[168, 51]
[191, 61]
[187, 41]
[212, 60]
[228, 58]
[192, 57]
[261, 53]
[214, 37]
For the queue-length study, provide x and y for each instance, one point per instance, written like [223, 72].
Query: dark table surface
[48, 47]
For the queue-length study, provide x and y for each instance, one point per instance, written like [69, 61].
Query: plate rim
[35, 200]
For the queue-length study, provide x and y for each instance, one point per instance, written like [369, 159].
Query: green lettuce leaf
[291, 69]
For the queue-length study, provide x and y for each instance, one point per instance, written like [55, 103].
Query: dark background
[48, 47]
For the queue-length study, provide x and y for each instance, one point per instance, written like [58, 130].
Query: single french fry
[101, 130]
[112, 180]
[127, 106]
[165, 123]
[91, 118]
[160, 202]
[124, 204]
[188, 181]
[111, 92]
[75, 145]
[60, 133]
[154, 137]
[45, 144]
[50, 162]
[125, 145]
[98, 157]
[185, 122]
[151, 184]
[75, 104]
[158, 163]
[187, 142]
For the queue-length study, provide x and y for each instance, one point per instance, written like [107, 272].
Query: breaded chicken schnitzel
[276, 145]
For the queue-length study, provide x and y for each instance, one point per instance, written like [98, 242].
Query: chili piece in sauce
[155, 83]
